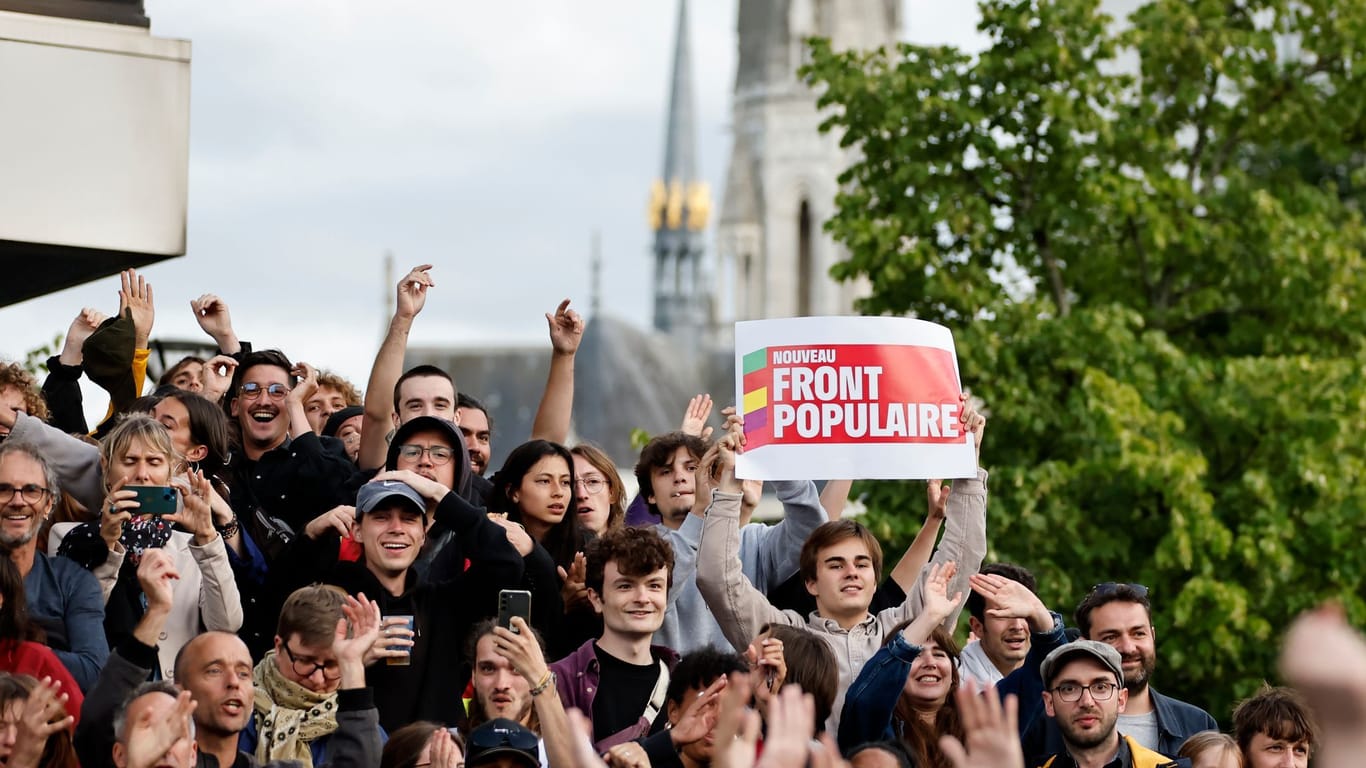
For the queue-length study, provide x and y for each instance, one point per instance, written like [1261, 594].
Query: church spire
[679, 205]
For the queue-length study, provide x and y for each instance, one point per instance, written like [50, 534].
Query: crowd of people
[257, 565]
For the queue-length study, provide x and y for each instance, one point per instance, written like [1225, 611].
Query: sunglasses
[492, 738]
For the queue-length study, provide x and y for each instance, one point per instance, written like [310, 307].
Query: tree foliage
[1147, 239]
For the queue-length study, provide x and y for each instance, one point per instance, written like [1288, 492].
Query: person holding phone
[152, 503]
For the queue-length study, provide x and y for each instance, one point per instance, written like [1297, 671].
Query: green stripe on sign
[756, 360]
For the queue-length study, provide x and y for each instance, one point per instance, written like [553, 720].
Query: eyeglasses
[252, 390]
[590, 484]
[1108, 588]
[305, 668]
[491, 738]
[1101, 691]
[30, 493]
[439, 454]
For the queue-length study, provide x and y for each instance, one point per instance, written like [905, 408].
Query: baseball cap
[501, 736]
[375, 494]
[1105, 654]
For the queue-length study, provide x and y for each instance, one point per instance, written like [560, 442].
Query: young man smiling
[390, 522]
[840, 562]
[629, 573]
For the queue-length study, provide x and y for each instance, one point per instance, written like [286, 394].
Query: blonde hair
[139, 426]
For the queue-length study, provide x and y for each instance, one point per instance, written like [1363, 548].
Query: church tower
[782, 178]
[679, 207]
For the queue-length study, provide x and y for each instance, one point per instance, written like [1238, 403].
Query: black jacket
[430, 686]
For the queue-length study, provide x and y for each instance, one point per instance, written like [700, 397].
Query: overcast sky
[489, 139]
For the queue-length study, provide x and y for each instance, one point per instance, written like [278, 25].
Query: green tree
[1153, 273]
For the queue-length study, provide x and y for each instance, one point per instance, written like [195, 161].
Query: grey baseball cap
[1105, 654]
[374, 494]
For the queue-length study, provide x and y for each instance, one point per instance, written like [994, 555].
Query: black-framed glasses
[1100, 691]
[1107, 588]
[306, 668]
[439, 454]
[30, 493]
[590, 484]
[252, 390]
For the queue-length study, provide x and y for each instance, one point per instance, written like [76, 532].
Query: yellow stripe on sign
[756, 399]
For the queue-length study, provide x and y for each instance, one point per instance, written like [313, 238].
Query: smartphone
[155, 499]
[513, 602]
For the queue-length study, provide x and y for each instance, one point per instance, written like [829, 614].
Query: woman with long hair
[140, 453]
[905, 691]
[599, 494]
[535, 489]
[21, 649]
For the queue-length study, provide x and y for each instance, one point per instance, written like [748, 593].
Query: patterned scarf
[289, 717]
[141, 535]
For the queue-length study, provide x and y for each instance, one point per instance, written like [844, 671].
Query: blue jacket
[871, 700]
[1176, 720]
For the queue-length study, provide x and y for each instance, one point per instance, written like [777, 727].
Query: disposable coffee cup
[389, 626]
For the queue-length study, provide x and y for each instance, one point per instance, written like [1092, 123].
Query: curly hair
[335, 381]
[636, 551]
[14, 375]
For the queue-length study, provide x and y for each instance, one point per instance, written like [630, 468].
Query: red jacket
[36, 660]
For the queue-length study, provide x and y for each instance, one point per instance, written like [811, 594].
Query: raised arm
[220, 604]
[61, 388]
[524, 655]
[781, 545]
[908, 568]
[739, 608]
[214, 319]
[379, 391]
[835, 496]
[298, 412]
[356, 742]
[557, 404]
[965, 537]
[130, 664]
[76, 462]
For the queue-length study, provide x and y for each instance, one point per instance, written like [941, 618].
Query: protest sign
[850, 398]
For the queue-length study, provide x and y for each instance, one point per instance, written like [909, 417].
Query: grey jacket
[742, 610]
[768, 557]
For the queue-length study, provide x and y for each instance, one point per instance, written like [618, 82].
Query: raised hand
[157, 575]
[974, 422]
[445, 753]
[81, 328]
[993, 740]
[151, 737]
[791, 726]
[214, 319]
[338, 520]
[196, 516]
[307, 377]
[135, 295]
[117, 509]
[737, 731]
[938, 604]
[566, 329]
[768, 664]
[574, 589]
[1011, 600]
[357, 630]
[700, 717]
[42, 714]
[581, 729]
[412, 291]
[217, 375]
[937, 500]
[518, 645]
[695, 417]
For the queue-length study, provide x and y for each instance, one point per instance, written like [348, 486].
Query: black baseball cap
[501, 736]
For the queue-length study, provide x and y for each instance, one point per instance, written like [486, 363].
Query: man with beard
[1118, 615]
[63, 598]
[1084, 695]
